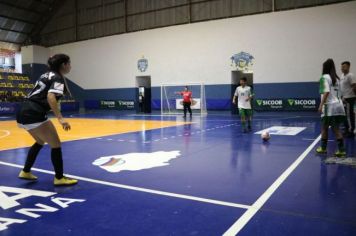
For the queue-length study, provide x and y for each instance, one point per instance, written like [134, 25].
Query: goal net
[172, 101]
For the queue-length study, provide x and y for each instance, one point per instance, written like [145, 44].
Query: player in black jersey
[32, 116]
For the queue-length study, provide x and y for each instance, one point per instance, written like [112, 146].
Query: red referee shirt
[187, 95]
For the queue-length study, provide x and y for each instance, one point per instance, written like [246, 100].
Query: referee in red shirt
[187, 100]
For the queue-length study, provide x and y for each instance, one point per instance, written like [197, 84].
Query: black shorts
[30, 113]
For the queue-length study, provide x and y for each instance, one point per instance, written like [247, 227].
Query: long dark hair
[329, 68]
[55, 62]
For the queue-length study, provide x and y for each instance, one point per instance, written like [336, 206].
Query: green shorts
[333, 121]
[245, 112]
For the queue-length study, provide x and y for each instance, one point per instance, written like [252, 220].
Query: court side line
[247, 216]
[157, 192]
[7, 133]
[310, 139]
[258, 117]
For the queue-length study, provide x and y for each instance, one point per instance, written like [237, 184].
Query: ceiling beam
[15, 31]
[21, 8]
[42, 2]
[17, 19]
[8, 41]
[34, 36]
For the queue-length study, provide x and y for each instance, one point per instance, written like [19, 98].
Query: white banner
[194, 106]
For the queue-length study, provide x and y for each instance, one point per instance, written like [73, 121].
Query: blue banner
[8, 107]
[69, 106]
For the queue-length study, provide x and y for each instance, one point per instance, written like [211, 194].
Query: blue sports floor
[204, 177]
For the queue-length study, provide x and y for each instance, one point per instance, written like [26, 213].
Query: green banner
[268, 104]
[290, 104]
[107, 104]
[117, 105]
[125, 104]
[299, 104]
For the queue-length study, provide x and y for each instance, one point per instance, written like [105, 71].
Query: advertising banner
[125, 104]
[299, 104]
[290, 104]
[268, 105]
[194, 106]
[8, 107]
[107, 104]
[118, 105]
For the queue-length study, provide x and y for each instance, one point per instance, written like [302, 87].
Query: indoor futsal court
[214, 180]
[177, 117]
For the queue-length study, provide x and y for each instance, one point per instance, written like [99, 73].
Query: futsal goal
[172, 101]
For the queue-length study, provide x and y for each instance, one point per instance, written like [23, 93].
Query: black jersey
[49, 82]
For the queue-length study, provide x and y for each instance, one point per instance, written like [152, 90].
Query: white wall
[18, 62]
[34, 54]
[288, 46]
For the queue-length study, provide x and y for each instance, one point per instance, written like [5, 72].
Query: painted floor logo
[136, 161]
[350, 161]
[282, 130]
[10, 205]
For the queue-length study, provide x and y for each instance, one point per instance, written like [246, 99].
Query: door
[143, 94]
[235, 82]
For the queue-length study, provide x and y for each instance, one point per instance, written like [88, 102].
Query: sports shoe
[64, 181]
[27, 175]
[339, 153]
[321, 150]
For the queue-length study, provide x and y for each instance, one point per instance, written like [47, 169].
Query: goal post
[172, 101]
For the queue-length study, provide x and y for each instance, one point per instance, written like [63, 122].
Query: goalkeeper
[187, 100]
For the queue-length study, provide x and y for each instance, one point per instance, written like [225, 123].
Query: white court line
[7, 133]
[310, 139]
[172, 115]
[254, 119]
[217, 120]
[246, 217]
[168, 194]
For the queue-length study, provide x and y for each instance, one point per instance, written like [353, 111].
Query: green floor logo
[259, 102]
